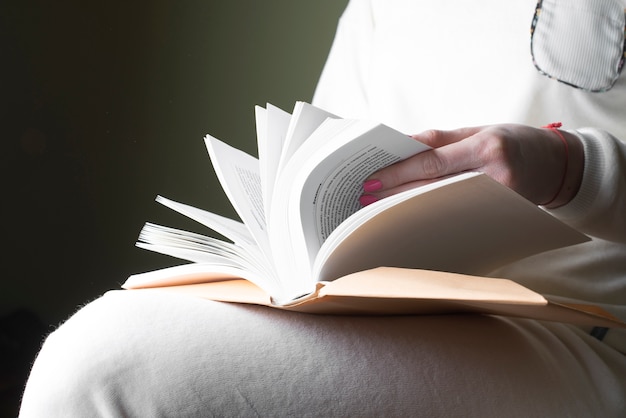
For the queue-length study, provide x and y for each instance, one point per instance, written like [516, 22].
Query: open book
[304, 243]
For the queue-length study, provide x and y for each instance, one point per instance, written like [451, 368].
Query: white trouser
[151, 354]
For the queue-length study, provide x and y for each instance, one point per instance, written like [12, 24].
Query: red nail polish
[372, 185]
[367, 199]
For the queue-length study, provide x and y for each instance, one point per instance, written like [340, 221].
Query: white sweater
[416, 65]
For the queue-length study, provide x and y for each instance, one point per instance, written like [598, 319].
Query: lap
[146, 353]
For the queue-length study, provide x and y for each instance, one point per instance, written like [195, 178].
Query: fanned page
[239, 176]
[235, 231]
[272, 125]
[305, 119]
[321, 185]
[210, 258]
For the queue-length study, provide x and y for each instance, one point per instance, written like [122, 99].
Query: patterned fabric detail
[581, 43]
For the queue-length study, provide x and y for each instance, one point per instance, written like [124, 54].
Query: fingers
[450, 154]
[437, 138]
[449, 159]
[369, 198]
[533, 162]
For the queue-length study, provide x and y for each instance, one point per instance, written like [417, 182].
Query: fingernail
[367, 199]
[372, 185]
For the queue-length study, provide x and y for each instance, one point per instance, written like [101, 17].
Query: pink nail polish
[367, 199]
[372, 185]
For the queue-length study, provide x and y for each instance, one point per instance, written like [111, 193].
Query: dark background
[104, 105]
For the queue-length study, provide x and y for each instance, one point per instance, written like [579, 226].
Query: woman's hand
[537, 163]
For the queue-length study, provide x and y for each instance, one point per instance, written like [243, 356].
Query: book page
[284, 227]
[305, 119]
[272, 125]
[321, 184]
[467, 224]
[239, 176]
[336, 195]
[333, 186]
[260, 117]
[198, 248]
[235, 231]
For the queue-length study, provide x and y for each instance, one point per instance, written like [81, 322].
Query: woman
[416, 66]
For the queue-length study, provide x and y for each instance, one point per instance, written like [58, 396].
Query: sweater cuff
[598, 153]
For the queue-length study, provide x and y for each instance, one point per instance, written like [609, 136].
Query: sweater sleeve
[599, 208]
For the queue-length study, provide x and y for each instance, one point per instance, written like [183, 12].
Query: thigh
[148, 353]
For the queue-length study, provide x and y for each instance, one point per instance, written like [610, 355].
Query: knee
[58, 378]
[73, 372]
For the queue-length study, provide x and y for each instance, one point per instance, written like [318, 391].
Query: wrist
[573, 154]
